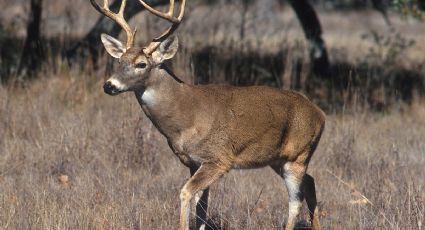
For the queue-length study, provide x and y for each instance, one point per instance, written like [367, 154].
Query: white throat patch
[149, 97]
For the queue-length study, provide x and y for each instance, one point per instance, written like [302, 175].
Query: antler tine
[169, 16]
[122, 7]
[118, 18]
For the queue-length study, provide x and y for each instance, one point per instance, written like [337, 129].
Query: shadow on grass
[302, 225]
[377, 87]
[213, 223]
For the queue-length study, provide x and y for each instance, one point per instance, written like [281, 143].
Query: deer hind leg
[202, 179]
[293, 174]
[201, 200]
[309, 191]
[299, 185]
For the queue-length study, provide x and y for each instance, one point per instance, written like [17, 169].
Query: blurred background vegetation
[288, 44]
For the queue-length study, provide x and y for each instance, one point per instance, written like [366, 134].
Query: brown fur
[213, 129]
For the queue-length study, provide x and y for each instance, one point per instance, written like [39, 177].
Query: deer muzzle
[110, 89]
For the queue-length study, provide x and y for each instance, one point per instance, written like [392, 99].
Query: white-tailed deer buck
[213, 129]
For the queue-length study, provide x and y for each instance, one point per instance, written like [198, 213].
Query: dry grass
[75, 158]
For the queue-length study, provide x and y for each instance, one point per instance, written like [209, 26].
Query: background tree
[313, 32]
[245, 7]
[32, 54]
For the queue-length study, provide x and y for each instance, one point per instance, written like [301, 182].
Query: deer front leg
[201, 200]
[202, 179]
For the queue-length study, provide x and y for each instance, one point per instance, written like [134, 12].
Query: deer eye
[140, 65]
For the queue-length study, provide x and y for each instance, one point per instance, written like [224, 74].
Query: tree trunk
[90, 46]
[313, 32]
[32, 54]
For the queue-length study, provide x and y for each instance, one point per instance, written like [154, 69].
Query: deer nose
[109, 88]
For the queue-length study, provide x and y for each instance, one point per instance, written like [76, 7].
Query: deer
[213, 129]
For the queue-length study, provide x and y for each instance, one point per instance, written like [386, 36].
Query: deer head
[136, 63]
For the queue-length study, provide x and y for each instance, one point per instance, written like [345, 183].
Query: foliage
[387, 48]
[414, 8]
[411, 7]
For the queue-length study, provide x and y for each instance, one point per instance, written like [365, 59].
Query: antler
[118, 18]
[169, 16]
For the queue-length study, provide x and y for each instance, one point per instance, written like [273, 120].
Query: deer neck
[163, 99]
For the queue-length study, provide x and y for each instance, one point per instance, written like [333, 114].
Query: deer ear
[114, 47]
[166, 50]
